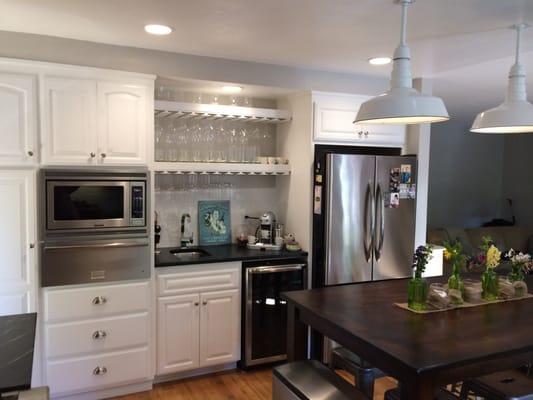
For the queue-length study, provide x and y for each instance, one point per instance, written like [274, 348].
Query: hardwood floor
[234, 385]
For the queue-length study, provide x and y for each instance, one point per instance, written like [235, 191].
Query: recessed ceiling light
[379, 60]
[231, 89]
[156, 29]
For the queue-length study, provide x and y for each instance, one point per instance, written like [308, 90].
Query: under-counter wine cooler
[264, 312]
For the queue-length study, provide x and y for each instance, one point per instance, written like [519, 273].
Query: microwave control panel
[137, 203]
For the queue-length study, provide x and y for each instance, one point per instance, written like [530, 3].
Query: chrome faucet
[186, 233]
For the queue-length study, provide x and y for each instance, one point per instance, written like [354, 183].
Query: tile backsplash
[176, 195]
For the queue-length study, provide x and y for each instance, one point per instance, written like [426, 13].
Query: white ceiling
[446, 36]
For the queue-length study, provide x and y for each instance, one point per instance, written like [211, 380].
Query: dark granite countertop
[230, 252]
[17, 340]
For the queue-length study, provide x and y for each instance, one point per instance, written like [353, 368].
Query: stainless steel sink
[189, 254]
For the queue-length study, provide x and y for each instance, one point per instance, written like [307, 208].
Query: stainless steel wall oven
[94, 225]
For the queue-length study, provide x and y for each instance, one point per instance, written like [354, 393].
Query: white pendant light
[402, 104]
[515, 114]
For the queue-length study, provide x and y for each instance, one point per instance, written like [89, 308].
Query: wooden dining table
[423, 352]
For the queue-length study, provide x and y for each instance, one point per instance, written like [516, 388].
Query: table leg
[417, 391]
[296, 335]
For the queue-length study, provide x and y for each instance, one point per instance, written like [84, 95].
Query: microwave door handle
[95, 246]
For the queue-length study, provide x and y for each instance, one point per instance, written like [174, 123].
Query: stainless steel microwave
[95, 201]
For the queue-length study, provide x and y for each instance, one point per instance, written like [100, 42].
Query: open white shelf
[174, 109]
[221, 168]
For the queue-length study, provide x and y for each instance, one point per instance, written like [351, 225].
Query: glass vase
[417, 293]
[516, 277]
[455, 282]
[490, 285]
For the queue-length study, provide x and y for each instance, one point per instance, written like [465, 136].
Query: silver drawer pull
[97, 335]
[99, 300]
[100, 371]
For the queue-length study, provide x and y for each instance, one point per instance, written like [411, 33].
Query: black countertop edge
[223, 253]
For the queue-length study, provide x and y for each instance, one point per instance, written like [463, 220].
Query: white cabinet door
[18, 119]
[334, 114]
[17, 239]
[69, 115]
[220, 323]
[178, 333]
[122, 127]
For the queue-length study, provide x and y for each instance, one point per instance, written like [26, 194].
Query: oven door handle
[276, 269]
[95, 246]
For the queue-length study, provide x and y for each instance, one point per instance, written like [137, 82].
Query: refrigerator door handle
[380, 208]
[369, 200]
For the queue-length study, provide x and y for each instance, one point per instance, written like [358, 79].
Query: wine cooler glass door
[266, 311]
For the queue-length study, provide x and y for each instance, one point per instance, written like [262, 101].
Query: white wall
[295, 143]
[518, 177]
[173, 65]
[465, 176]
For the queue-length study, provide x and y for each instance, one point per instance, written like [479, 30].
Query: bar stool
[394, 394]
[506, 385]
[310, 380]
[364, 373]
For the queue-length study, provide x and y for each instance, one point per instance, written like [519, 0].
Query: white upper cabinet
[122, 125]
[95, 117]
[17, 242]
[334, 114]
[69, 114]
[18, 119]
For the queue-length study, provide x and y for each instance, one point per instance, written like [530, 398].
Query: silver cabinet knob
[32, 245]
[93, 154]
[99, 300]
[30, 153]
[360, 133]
[204, 302]
[98, 335]
[366, 133]
[100, 371]
[196, 303]
[103, 155]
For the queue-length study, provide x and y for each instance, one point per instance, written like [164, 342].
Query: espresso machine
[266, 232]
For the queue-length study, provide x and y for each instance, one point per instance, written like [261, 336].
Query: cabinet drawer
[96, 336]
[194, 279]
[81, 374]
[95, 301]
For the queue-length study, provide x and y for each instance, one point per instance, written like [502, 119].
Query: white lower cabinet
[96, 337]
[178, 333]
[220, 327]
[199, 329]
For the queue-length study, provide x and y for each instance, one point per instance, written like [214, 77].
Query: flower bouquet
[454, 254]
[489, 279]
[418, 287]
[519, 261]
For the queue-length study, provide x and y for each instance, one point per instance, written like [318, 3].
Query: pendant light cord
[403, 32]
[519, 29]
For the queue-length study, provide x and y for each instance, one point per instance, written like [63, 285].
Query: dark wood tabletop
[423, 351]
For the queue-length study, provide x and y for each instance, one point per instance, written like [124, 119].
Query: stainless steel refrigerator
[369, 217]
